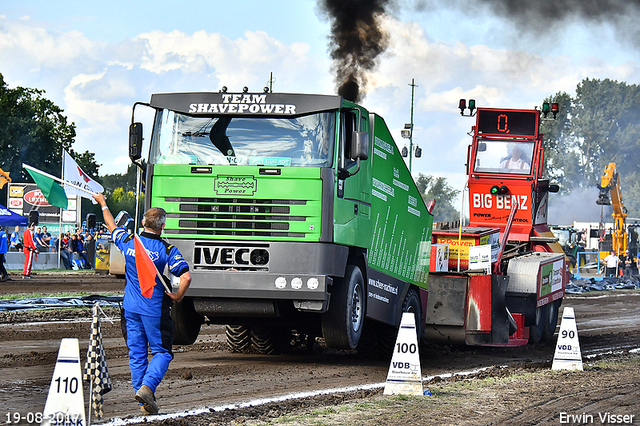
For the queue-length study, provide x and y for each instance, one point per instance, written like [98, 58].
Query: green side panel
[238, 202]
[401, 225]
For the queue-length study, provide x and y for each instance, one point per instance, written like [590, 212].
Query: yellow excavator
[610, 195]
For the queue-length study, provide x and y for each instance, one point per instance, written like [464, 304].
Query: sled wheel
[551, 321]
[536, 331]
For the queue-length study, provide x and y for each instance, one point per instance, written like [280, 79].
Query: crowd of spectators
[66, 243]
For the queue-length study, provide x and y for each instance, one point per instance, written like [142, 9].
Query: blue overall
[147, 322]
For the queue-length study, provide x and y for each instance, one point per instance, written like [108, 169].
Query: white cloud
[21, 44]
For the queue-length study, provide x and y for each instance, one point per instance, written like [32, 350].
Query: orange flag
[4, 178]
[147, 271]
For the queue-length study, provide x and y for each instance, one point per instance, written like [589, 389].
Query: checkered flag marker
[95, 368]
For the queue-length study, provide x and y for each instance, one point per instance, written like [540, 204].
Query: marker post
[405, 374]
[65, 402]
[567, 355]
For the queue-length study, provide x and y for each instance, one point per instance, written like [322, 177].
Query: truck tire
[551, 321]
[412, 304]
[238, 338]
[368, 345]
[342, 323]
[186, 322]
[536, 331]
[268, 340]
[389, 334]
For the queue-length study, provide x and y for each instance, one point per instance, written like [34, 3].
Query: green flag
[52, 190]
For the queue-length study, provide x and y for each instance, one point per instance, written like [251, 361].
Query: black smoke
[545, 18]
[357, 40]
[543, 12]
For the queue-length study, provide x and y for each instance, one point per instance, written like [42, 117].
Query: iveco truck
[296, 213]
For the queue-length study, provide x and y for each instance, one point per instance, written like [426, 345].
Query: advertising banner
[25, 197]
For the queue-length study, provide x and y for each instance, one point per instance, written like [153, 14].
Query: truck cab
[295, 212]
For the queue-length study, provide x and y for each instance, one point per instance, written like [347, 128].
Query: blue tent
[9, 218]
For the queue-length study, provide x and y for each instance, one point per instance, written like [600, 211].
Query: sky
[95, 59]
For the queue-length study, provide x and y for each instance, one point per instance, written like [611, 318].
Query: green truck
[296, 213]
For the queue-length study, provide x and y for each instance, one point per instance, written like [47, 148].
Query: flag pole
[57, 179]
[59, 248]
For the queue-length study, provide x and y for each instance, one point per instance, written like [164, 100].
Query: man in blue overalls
[148, 321]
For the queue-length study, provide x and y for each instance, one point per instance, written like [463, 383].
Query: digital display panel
[508, 122]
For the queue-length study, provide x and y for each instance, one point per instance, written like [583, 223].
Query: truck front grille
[237, 217]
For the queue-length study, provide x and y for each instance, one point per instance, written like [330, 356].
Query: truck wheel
[389, 334]
[551, 321]
[387, 341]
[342, 323]
[368, 344]
[238, 338]
[186, 322]
[412, 304]
[536, 331]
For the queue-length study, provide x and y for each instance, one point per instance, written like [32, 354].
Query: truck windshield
[499, 156]
[301, 141]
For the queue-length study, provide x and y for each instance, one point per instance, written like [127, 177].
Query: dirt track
[208, 375]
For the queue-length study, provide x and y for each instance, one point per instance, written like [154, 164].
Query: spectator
[65, 252]
[3, 251]
[629, 264]
[90, 244]
[77, 246]
[37, 238]
[611, 263]
[45, 236]
[16, 244]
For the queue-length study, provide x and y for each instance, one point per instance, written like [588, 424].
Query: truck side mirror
[135, 141]
[359, 150]
[554, 187]
[360, 145]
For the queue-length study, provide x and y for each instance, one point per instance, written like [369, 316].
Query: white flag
[74, 174]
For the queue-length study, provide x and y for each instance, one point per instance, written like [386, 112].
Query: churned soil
[497, 386]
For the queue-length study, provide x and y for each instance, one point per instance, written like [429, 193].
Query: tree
[437, 188]
[119, 190]
[33, 130]
[562, 160]
[125, 181]
[600, 125]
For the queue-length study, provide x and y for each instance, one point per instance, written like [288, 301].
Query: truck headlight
[296, 283]
[312, 283]
[281, 282]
